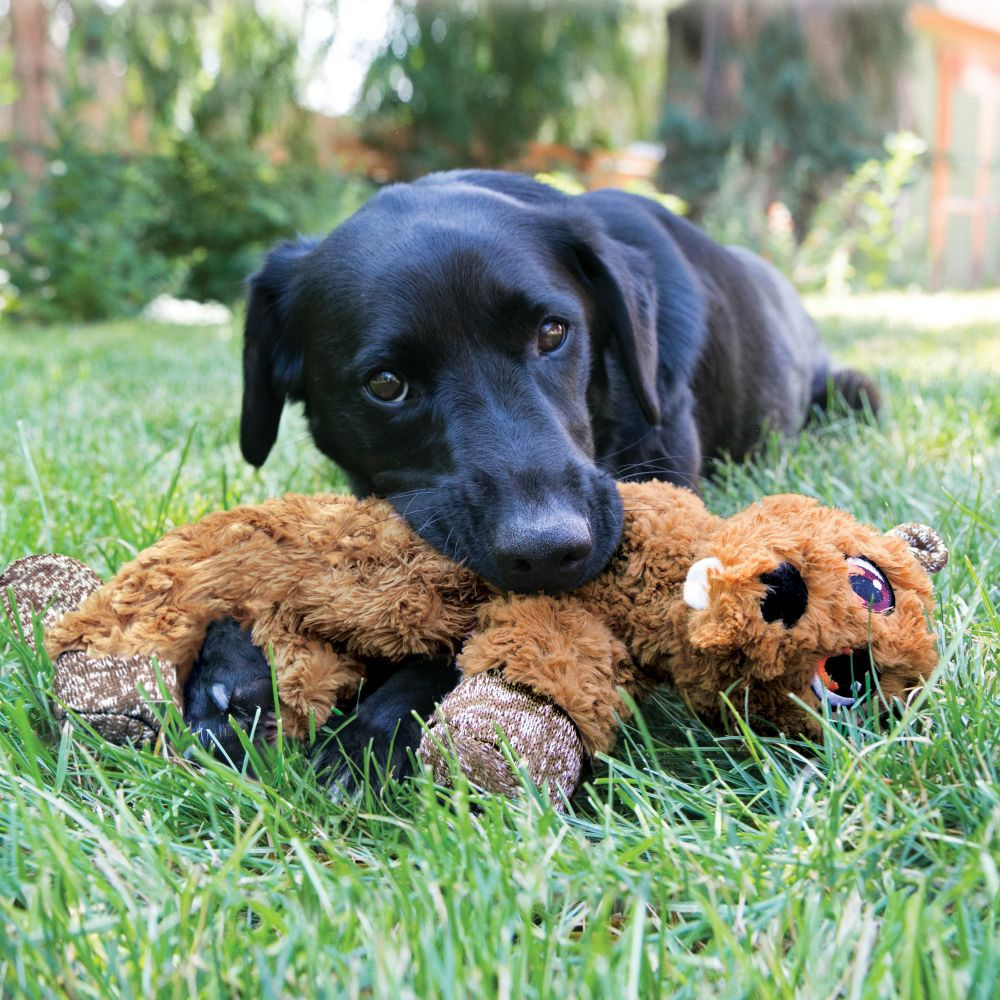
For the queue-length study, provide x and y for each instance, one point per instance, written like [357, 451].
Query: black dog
[488, 353]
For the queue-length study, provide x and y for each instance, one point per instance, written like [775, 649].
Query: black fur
[500, 456]
[230, 682]
[383, 731]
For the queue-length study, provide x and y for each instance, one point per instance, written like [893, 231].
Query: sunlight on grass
[691, 864]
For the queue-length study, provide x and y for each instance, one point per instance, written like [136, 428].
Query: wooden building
[956, 107]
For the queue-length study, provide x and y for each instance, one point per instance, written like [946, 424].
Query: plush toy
[783, 607]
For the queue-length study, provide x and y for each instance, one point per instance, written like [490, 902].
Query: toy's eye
[870, 584]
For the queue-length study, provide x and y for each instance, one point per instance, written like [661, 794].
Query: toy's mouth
[843, 679]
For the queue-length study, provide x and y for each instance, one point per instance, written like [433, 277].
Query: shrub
[227, 203]
[78, 245]
[857, 238]
[103, 234]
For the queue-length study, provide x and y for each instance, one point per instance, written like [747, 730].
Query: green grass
[691, 865]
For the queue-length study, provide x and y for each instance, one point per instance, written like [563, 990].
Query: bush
[104, 234]
[79, 245]
[228, 203]
[856, 239]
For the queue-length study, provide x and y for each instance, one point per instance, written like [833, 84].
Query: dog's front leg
[386, 729]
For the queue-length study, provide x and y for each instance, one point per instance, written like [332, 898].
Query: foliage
[788, 120]
[83, 245]
[228, 203]
[693, 866]
[473, 83]
[855, 239]
[224, 71]
[104, 232]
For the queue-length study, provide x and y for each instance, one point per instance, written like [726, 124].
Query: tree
[111, 221]
[472, 83]
[32, 62]
[803, 93]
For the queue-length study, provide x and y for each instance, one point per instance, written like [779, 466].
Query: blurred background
[153, 148]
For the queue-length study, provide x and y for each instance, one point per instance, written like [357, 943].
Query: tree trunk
[29, 22]
[703, 75]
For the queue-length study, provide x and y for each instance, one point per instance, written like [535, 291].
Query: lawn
[691, 865]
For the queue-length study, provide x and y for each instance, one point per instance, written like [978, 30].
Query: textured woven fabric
[106, 691]
[925, 543]
[47, 585]
[540, 734]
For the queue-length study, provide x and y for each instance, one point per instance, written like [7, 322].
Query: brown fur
[329, 581]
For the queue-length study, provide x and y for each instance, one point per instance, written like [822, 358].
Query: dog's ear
[625, 311]
[272, 349]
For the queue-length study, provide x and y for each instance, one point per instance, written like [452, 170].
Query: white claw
[220, 696]
[696, 583]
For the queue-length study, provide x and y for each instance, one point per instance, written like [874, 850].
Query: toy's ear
[624, 298]
[925, 543]
[272, 348]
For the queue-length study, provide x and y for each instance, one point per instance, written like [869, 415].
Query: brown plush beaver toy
[783, 607]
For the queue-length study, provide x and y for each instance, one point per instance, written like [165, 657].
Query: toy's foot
[104, 691]
[540, 734]
[107, 693]
[47, 585]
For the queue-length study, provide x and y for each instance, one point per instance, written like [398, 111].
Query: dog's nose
[547, 552]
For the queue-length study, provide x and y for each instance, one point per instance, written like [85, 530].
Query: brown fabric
[558, 648]
[327, 580]
[106, 692]
[728, 647]
[925, 543]
[47, 586]
[465, 731]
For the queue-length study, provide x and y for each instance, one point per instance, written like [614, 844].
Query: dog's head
[447, 342]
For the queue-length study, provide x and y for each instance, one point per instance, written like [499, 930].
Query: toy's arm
[546, 673]
[561, 651]
[105, 691]
[312, 675]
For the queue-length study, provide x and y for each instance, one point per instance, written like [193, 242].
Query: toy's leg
[312, 675]
[559, 650]
[546, 673]
[540, 734]
[104, 692]
[45, 586]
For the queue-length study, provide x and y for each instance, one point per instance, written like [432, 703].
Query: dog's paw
[377, 743]
[229, 687]
[361, 752]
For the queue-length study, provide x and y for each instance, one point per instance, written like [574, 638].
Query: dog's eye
[551, 335]
[387, 387]
[870, 584]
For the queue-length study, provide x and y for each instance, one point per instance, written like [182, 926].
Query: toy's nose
[787, 595]
[696, 582]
